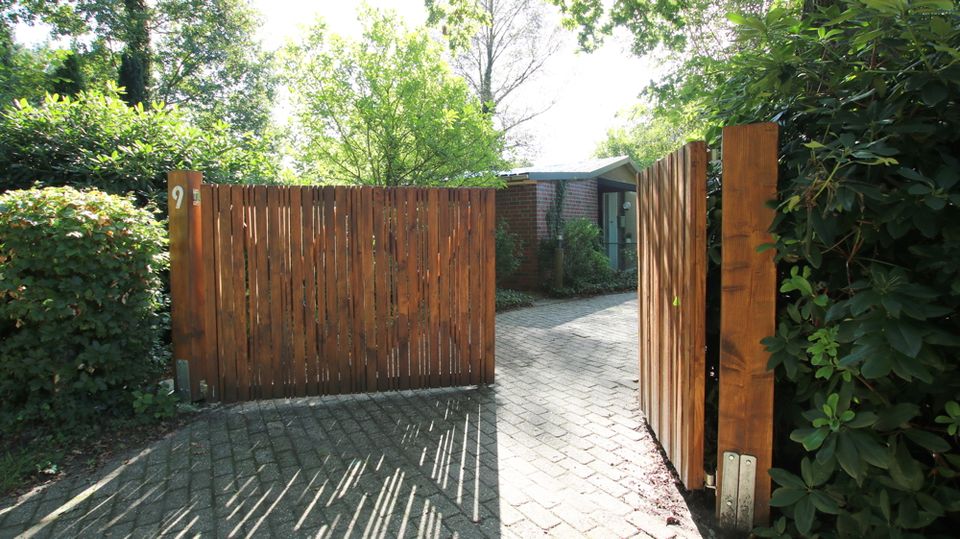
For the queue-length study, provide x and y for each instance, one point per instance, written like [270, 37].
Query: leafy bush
[512, 299]
[586, 269]
[158, 404]
[96, 140]
[79, 290]
[509, 251]
[868, 238]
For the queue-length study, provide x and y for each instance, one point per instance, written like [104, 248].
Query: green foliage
[385, 110]
[691, 25]
[645, 137]
[509, 251]
[868, 239]
[198, 54]
[158, 404]
[95, 140]
[68, 78]
[512, 299]
[79, 289]
[586, 269]
[208, 62]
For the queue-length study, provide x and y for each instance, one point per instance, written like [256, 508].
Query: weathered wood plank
[748, 301]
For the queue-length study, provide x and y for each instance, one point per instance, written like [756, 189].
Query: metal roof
[577, 170]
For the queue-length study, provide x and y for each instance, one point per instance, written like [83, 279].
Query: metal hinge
[183, 380]
[737, 490]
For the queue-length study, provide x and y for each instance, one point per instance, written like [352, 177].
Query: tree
[386, 110]
[200, 54]
[645, 137]
[68, 78]
[209, 63]
[498, 46]
[695, 26]
[134, 72]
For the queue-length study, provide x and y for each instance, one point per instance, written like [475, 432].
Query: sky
[586, 90]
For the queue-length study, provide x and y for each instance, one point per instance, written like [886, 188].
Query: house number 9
[177, 194]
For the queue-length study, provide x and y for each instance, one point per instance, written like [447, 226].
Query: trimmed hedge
[79, 294]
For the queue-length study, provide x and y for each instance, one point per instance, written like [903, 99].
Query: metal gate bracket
[737, 491]
[183, 380]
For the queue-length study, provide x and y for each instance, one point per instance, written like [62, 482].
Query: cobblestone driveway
[556, 448]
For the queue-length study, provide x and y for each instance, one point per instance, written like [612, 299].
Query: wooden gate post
[187, 291]
[748, 314]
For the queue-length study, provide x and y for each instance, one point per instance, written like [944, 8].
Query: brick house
[601, 190]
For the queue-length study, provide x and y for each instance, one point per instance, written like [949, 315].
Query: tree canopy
[199, 54]
[499, 46]
[386, 110]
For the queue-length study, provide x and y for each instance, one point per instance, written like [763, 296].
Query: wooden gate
[290, 291]
[671, 197]
[672, 258]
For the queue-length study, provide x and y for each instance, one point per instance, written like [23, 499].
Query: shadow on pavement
[400, 464]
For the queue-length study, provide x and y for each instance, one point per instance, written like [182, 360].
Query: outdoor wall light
[626, 205]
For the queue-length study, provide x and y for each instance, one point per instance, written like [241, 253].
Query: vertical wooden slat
[358, 372]
[286, 292]
[413, 292]
[211, 372]
[696, 311]
[250, 237]
[382, 294]
[642, 271]
[433, 268]
[367, 278]
[463, 286]
[748, 301]
[446, 288]
[489, 299]
[331, 358]
[475, 298]
[275, 305]
[228, 342]
[238, 271]
[262, 363]
[340, 378]
[310, 268]
[298, 292]
[403, 284]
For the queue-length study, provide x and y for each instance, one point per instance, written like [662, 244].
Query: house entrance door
[611, 228]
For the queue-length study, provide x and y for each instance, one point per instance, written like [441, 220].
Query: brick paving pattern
[557, 448]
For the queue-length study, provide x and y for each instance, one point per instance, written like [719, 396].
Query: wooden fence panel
[671, 200]
[748, 300]
[326, 290]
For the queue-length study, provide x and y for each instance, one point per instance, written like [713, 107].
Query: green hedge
[96, 140]
[868, 241]
[79, 294]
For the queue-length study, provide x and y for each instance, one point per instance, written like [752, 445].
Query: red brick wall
[517, 205]
[524, 207]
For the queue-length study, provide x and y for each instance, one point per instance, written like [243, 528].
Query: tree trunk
[134, 74]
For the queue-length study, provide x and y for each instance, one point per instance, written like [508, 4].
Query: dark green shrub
[586, 269]
[96, 140]
[512, 299]
[509, 250]
[868, 241]
[79, 290]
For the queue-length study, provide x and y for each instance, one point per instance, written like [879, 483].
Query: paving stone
[551, 450]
